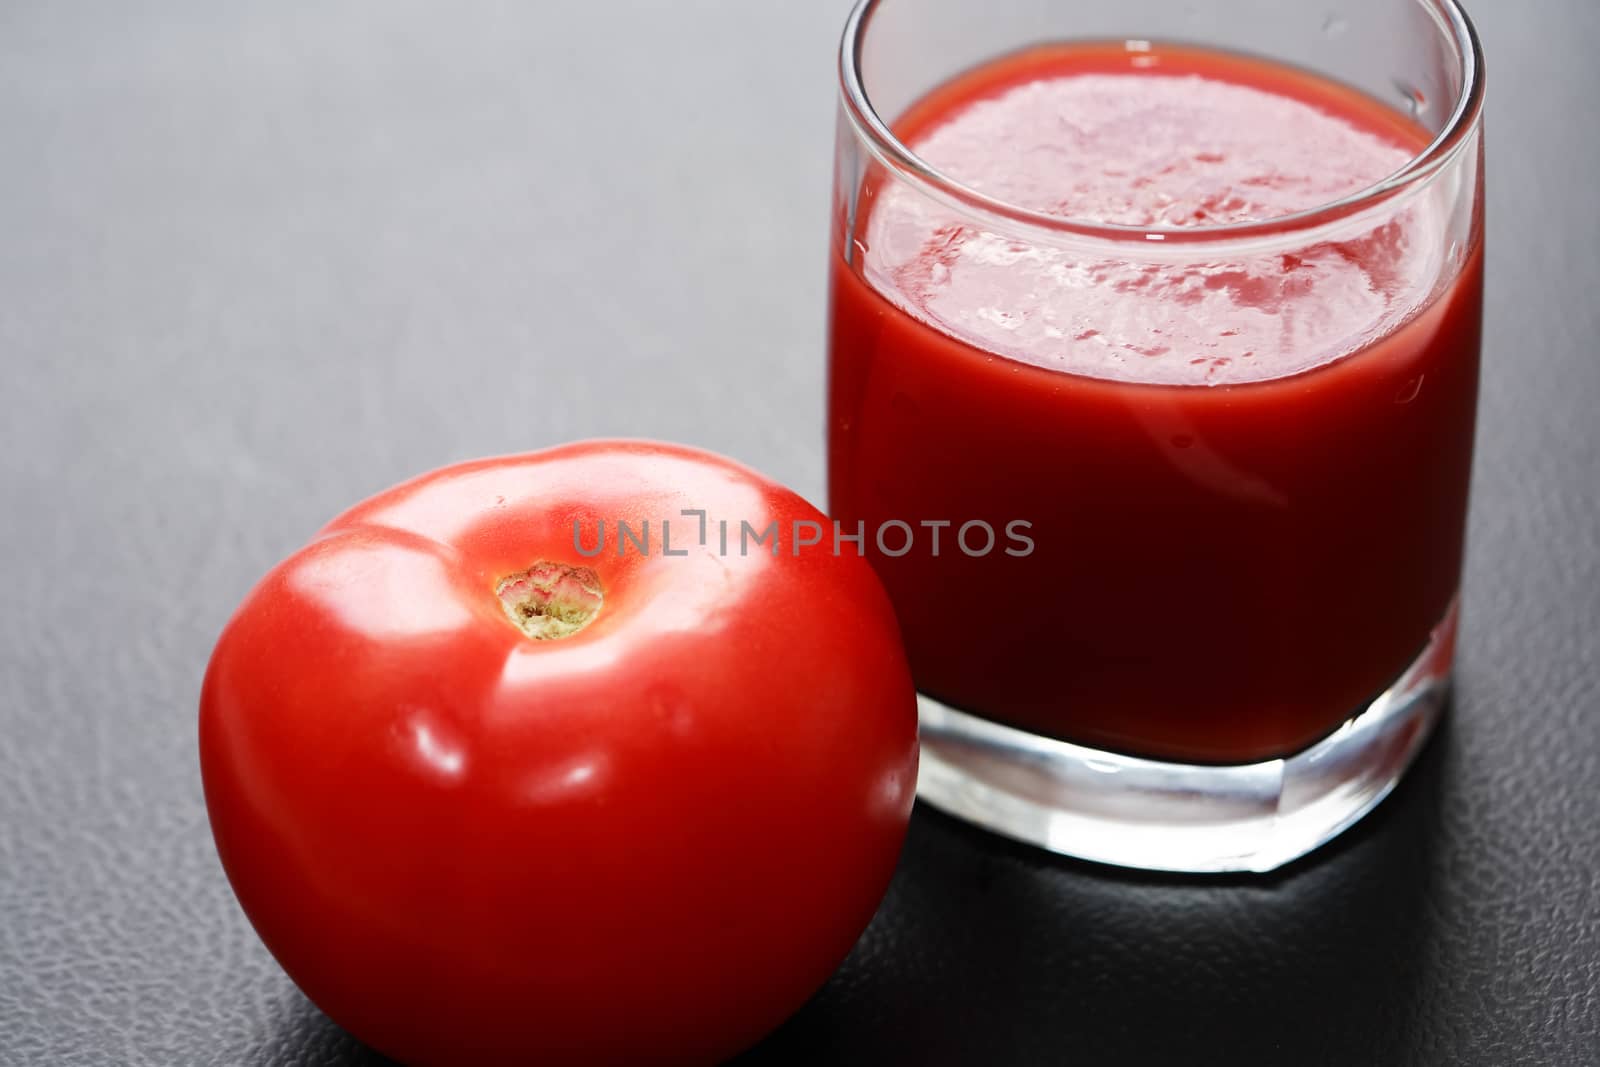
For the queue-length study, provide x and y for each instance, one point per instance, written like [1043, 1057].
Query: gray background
[260, 260]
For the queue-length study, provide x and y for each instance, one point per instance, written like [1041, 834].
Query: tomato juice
[1246, 476]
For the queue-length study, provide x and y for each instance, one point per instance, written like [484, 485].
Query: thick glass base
[1136, 812]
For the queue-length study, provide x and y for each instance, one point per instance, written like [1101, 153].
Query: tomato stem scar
[550, 601]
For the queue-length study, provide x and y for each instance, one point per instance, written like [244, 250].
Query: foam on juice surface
[1167, 148]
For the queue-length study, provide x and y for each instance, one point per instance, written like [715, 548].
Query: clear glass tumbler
[1153, 375]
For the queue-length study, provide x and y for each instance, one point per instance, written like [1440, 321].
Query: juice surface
[1246, 476]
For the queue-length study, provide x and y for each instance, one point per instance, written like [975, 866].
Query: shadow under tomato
[302, 1034]
[990, 952]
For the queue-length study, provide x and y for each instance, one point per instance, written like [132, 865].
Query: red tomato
[491, 800]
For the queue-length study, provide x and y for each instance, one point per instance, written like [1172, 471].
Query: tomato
[493, 793]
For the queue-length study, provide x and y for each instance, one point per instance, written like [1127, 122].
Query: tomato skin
[645, 843]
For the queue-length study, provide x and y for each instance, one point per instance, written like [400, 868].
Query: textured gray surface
[259, 260]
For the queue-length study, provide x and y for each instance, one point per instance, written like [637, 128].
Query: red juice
[1246, 478]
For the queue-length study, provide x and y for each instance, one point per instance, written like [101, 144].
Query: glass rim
[893, 153]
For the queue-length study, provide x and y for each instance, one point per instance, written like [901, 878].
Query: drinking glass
[1169, 612]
